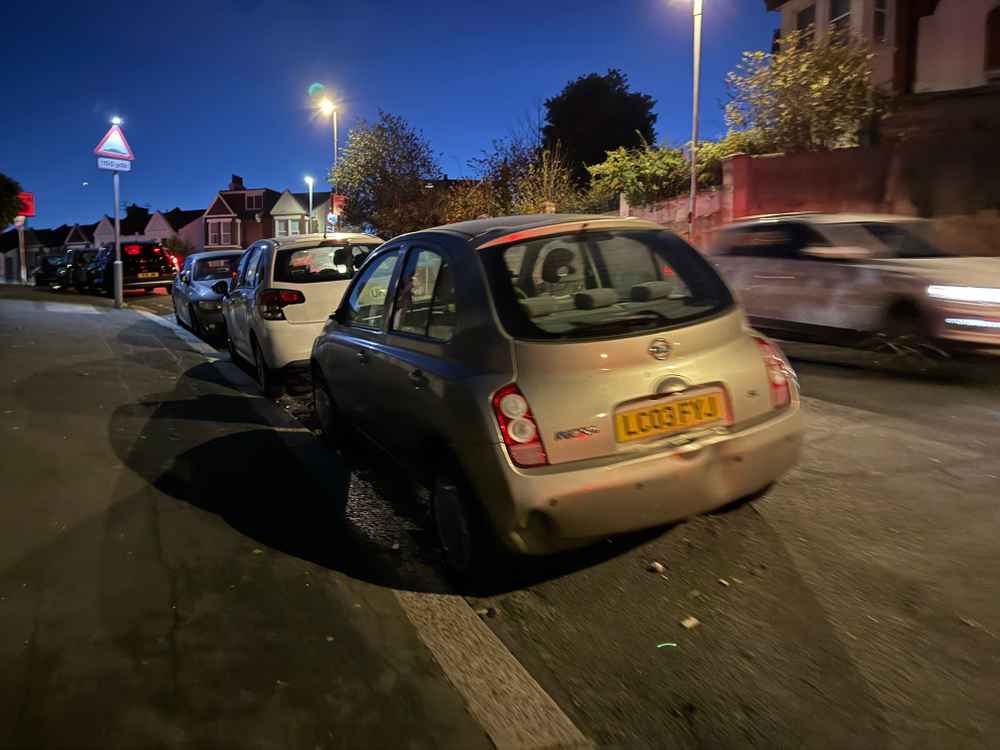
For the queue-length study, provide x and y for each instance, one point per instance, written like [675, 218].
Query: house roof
[774, 4]
[318, 198]
[178, 218]
[236, 200]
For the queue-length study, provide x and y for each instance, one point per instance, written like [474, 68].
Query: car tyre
[905, 341]
[471, 550]
[334, 424]
[267, 379]
[177, 315]
[196, 327]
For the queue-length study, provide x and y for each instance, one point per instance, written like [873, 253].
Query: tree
[807, 96]
[596, 114]
[10, 205]
[177, 246]
[517, 176]
[384, 171]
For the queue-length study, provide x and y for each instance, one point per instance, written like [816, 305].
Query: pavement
[183, 564]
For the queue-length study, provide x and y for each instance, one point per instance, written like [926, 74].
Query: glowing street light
[329, 109]
[116, 120]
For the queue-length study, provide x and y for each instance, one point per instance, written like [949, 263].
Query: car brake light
[271, 302]
[132, 249]
[157, 250]
[779, 372]
[518, 428]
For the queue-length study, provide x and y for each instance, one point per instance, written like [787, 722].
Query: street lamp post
[328, 108]
[696, 11]
[309, 182]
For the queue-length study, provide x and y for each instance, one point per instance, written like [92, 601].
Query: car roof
[822, 218]
[481, 231]
[312, 240]
[214, 254]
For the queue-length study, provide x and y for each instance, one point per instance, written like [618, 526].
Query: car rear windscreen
[595, 284]
[327, 262]
[211, 269]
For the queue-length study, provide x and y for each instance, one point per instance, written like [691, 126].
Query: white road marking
[502, 696]
[510, 705]
[67, 307]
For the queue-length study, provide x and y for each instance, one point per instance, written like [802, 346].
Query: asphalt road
[854, 605]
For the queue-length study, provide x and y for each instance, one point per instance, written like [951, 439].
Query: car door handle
[766, 277]
[363, 358]
[417, 378]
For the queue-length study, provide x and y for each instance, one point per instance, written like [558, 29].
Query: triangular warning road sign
[114, 146]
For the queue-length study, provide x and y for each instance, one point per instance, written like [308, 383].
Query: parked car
[93, 270]
[871, 279]
[145, 266]
[282, 295]
[196, 304]
[46, 274]
[72, 273]
[555, 379]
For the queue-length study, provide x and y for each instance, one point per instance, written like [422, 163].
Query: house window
[881, 19]
[805, 24]
[294, 227]
[255, 201]
[213, 233]
[840, 15]
[227, 232]
[993, 43]
[281, 227]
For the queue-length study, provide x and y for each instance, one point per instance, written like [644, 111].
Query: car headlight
[210, 305]
[984, 295]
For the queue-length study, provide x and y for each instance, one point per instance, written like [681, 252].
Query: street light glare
[116, 120]
[309, 181]
[326, 106]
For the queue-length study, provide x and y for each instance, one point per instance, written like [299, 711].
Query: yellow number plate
[148, 275]
[665, 417]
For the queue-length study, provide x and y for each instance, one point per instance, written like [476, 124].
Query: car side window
[367, 302]
[764, 241]
[260, 275]
[425, 297]
[249, 266]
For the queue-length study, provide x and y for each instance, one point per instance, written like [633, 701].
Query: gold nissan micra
[555, 379]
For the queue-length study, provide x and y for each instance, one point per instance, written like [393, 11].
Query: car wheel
[196, 328]
[268, 381]
[470, 548]
[905, 341]
[177, 315]
[333, 423]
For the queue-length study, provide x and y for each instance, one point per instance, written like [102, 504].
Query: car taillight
[157, 250]
[132, 249]
[518, 428]
[779, 372]
[271, 302]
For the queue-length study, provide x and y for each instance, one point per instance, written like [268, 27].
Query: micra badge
[578, 432]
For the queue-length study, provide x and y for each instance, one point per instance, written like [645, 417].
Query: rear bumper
[570, 505]
[284, 343]
[146, 283]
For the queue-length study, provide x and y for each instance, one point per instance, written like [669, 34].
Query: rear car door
[236, 306]
[409, 376]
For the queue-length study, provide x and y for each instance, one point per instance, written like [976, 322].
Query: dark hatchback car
[72, 273]
[48, 268]
[145, 266]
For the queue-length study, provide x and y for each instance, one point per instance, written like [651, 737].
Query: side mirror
[221, 288]
[185, 278]
[359, 260]
[837, 252]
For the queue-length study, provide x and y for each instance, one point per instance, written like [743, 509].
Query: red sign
[338, 202]
[114, 146]
[27, 204]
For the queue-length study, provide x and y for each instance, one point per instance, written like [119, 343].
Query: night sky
[211, 88]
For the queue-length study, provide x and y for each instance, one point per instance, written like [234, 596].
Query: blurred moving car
[196, 304]
[93, 269]
[145, 266]
[870, 279]
[72, 274]
[555, 379]
[282, 295]
[47, 272]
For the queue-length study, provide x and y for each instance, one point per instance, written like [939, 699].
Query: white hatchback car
[281, 296]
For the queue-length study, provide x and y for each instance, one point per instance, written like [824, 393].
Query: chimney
[236, 183]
